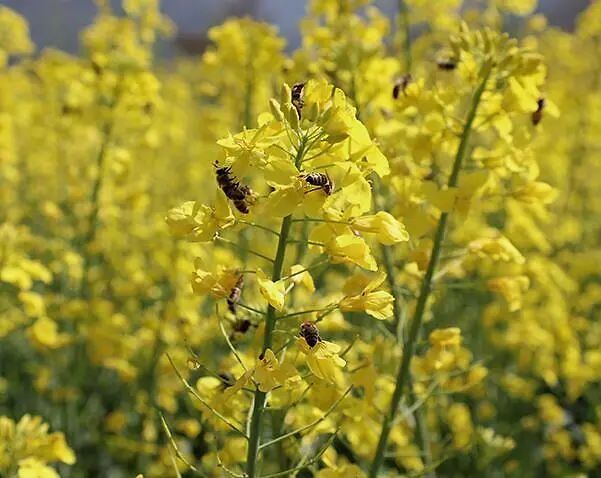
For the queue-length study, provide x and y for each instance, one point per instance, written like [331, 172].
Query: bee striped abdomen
[297, 94]
[321, 181]
[537, 116]
[238, 193]
[309, 331]
[235, 294]
[401, 85]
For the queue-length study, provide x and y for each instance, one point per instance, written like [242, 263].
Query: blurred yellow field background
[377, 255]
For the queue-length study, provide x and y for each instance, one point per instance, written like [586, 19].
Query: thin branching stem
[303, 312]
[193, 392]
[231, 346]
[176, 449]
[311, 243]
[323, 315]
[415, 327]
[313, 424]
[285, 345]
[227, 471]
[174, 463]
[417, 402]
[306, 269]
[251, 309]
[243, 248]
[350, 346]
[307, 463]
[422, 433]
[395, 289]
[258, 226]
[317, 219]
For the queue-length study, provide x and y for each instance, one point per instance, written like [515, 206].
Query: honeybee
[537, 116]
[447, 64]
[235, 294]
[431, 176]
[227, 379]
[297, 97]
[309, 331]
[239, 194]
[320, 181]
[401, 85]
[239, 328]
[240, 205]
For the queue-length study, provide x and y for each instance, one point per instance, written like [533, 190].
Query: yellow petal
[302, 276]
[273, 292]
[350, 248]
[283, 202]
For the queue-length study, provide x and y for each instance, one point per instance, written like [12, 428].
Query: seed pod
[275, 109]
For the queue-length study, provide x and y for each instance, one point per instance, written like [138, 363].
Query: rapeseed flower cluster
[374, 256]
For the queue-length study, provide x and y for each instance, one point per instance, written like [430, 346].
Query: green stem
[406, 26]
[248, 93]
[92, 228]
[304, 463]
[259, 400]
[398, 312]
[270, 321]
[422, 434]
[409, 346]
[243, 248]
[421, 430]
[314, 423]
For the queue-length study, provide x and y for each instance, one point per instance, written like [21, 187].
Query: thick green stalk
[247, 113]
[259, 400]
[422, 435]
[270, 319]
[416, 323]
[398, 313]
[92, 226]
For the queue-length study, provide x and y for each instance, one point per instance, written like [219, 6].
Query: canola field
[375, 255]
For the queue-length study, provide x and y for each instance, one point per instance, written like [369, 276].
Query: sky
[57, 23]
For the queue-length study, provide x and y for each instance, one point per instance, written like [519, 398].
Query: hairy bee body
[227, 379]
[401, 85]
[321, 181]
[239, 194]
[537, 116]
[240, 205]
[297, 93]
[235, 294]
[241, 326]
[309, 331]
